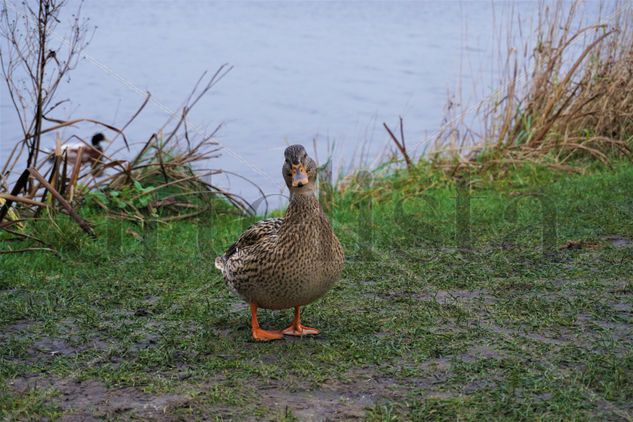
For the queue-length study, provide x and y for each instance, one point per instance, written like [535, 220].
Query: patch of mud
[436, 372]
[17, 327]
[434, 380]
[43, 347]
[528, 335]
[354, 392]
[445, 297]
[150, 306]
[481, 351]
[490, 383]
[347, 397]
[580, 244]
[621, 332]
[21, 328]
[319, 405]
[52, 346]
[238, 307]
[92, 400]
[553, 296]
[587, 332]
[502, 286]
[436, 365]
[622, 307]
[67, 340]
[549, 290]
[619, 241]
[622, 288]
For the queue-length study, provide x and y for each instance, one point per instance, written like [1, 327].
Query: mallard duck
[90, 153]
[286, 262]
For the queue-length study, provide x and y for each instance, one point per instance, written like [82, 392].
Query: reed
[167, 179]
[566, 94]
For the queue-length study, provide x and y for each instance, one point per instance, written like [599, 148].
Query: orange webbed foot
[299, 330]
[265, 335]
[258, 333]
[296, 328]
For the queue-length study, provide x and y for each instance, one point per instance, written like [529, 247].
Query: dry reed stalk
[400, 143]
[85, 226]
[75, 174]
[573, 99]
[163, 162]
[23, 200]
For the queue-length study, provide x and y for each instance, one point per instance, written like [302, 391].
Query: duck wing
[256, 233]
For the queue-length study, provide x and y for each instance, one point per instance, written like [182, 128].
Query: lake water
[330, 71]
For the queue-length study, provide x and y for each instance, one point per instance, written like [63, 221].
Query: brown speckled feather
[255, 233]
[284, 262]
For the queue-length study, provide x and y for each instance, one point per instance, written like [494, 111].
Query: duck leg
[258, 333]
[296, 329]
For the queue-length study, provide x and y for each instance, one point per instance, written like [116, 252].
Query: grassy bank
[496, 324]
[489, 280]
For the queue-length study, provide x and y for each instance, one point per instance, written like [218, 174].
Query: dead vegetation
[168, 176]
[565, 93]
[569, 96]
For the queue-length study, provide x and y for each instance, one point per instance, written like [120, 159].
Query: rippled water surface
[333, 71]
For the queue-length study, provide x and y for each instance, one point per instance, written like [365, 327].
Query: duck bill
[299, 176]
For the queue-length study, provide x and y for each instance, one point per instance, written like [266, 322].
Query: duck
[289, 262]
[90, 153]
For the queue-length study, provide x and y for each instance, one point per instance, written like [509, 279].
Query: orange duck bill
[299, 176]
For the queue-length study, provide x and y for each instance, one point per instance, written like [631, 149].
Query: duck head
[299, 170]
[97, 139]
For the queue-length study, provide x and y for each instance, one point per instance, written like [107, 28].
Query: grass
[498, 326]
[507, 295]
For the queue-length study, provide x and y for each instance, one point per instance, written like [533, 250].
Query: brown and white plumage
[286, 262]
[89, 153]
[262, 234]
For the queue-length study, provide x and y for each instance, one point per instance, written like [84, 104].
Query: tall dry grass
[566, 93]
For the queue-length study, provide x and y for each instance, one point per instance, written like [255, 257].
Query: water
[330, 71]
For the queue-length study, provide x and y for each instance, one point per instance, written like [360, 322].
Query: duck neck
[302, 206]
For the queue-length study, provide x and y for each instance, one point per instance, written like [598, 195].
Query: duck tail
[219, 263]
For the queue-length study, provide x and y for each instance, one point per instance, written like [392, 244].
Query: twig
[53, 251]
[19, 186]
[73, 214]
[400, 144]
[22, 199]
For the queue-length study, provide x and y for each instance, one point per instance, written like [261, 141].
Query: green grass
[140, 324]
